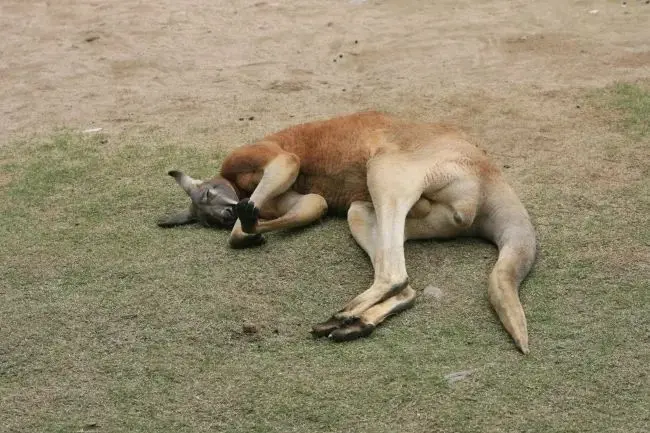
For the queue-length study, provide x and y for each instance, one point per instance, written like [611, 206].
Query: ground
[111, 324]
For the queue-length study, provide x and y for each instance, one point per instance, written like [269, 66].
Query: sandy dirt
[221, 72]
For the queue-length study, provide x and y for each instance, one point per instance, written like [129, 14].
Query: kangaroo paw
[325, 328]
[246, 241]
[248, 215]
[352, 330]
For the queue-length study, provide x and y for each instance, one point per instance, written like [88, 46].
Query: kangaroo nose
[229, 216]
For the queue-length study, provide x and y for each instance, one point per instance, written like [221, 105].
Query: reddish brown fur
[244, 166]
[332, 154]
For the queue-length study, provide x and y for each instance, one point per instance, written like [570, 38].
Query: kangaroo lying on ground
[397, 180]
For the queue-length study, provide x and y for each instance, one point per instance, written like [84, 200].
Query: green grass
[108, 323]
[633, 102]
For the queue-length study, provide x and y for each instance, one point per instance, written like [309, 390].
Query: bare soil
[225, 72]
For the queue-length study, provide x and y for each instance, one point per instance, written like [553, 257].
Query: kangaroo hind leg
[391, 293]
[395, 183]
[425, 220]
[363, 225]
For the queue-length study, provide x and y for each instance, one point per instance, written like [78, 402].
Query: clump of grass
[632, 101]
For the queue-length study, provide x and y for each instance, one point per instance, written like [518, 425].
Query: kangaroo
[396, 180]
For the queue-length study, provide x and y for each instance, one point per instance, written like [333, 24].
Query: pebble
[458, 376]
[432, 291]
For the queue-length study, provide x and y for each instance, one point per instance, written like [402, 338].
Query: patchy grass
[112, 324]
[632, 103]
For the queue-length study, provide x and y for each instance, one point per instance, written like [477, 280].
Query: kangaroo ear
[178, 219]
[186, 182]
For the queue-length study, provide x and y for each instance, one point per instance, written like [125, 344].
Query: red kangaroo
[396, 180]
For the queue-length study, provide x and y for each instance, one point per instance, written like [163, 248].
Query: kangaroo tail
[508, 226]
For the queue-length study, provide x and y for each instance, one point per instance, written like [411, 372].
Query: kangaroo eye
[211, 193]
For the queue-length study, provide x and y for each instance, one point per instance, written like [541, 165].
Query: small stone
[251, 118]
[250, 328]
[506, 166]
[432, 291]
[91, 130]
[594, 11]
[458, 376]
[92, 38]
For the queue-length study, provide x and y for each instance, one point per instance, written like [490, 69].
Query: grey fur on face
[213, 203]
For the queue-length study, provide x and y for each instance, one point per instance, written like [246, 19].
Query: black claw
[352, 330]
[350, 320]
[325, 328]
[248, 214]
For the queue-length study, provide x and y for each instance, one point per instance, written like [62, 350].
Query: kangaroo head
[213, 202]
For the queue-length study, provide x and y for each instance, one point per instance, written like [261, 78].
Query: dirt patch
[130, 66]
[635, 60]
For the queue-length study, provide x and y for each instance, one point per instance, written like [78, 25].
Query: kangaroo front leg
[278, 176]
[290, 210]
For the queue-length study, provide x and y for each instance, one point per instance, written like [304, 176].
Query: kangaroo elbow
[318, 203]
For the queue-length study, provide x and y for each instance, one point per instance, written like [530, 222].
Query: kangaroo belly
[339, 190]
